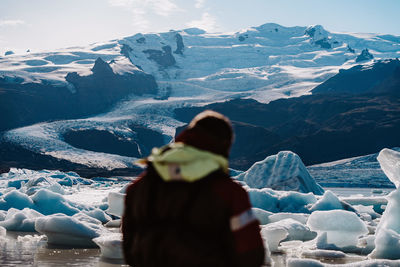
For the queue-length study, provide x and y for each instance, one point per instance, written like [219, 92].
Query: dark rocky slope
[357, 112]
[24, 104]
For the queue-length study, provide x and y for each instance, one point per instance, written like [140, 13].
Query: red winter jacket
[206, 223]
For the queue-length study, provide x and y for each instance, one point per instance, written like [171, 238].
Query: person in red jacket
[185, 210]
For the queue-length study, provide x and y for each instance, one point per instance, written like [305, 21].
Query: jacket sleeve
[245, 228]
[127, 225]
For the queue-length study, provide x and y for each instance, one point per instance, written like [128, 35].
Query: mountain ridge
[189, 68]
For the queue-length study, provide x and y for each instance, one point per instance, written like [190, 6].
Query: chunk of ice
[21, 220]
[110, 245]
[342, 227]
[390, 164]
[116, 204]
[283, 171]
[75, 231]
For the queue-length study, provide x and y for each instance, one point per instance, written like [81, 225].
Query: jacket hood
[181, 162]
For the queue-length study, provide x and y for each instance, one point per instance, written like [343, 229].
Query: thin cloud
[199, 3]
[207, 23]
[141, 8]
[11, 22]
[163, 7]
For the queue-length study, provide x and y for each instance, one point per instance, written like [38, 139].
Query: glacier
[264, 63]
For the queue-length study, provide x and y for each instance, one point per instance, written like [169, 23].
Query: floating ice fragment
[110, 245]
[75, 231]
[99, 215]
[342, 227]
[113, 223]
[48, 202]
[330, 201]
[272, 236]
[387, 237]
[30, 238]
[18, 200]
[3, 231]
[296, 202]
[262, 215]
[293, 262]
[295, 230]
[20, 220]
[116, 203]
[300, 217]
[281, 201]
[390, 163]
[265, 199]
[325, 254]
[367, 210]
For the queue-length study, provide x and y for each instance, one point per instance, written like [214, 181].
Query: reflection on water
[24, 249]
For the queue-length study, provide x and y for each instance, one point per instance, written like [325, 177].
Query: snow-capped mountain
[285, 60]
[188, 67]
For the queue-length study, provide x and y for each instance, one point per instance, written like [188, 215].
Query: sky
[50, 24]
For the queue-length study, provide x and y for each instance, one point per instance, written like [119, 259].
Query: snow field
[264, 63]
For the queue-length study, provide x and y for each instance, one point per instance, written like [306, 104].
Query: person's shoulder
[136, 183]
[229, 189]
[229, 184]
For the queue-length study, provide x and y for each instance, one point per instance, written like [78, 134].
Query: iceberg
[390, 164]
[339, 228]
[330, 201]
[75, 231]
[387, 237]
[116, 203]
[295, 230]
[20, 220]
[283, 171]
[281, 201]
[110, 245]
[272, 236]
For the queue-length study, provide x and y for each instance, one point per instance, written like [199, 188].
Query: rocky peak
[8, 53]
[320, 37]
[102, 68]
[316, 32]
[365, 55]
